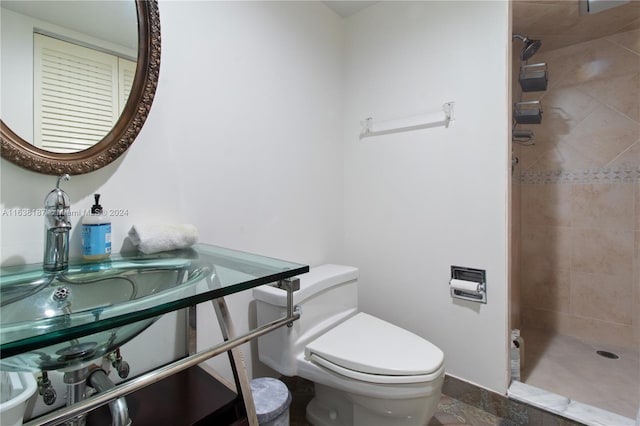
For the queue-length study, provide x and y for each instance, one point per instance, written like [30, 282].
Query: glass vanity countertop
[108, 294]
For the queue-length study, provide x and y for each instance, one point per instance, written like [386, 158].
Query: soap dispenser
[96, 233]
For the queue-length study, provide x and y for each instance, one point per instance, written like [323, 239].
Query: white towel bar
[416, 122]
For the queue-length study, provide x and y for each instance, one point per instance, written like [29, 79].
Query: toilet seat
[369, 349]
[375, 378]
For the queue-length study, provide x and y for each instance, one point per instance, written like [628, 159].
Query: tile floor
[570, 367]
[559, 364]
[451, 411]
[562, 406]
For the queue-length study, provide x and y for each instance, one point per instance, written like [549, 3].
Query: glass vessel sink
[52, 321]
[50, 302]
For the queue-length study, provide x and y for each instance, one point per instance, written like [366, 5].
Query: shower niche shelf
[522, 136]
[534, 77]
[529, 112]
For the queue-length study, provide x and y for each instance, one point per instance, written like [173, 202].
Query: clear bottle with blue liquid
[96, 233]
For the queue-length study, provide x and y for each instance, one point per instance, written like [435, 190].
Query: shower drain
[607, 354]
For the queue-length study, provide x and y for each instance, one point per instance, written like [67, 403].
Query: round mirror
[78, 81]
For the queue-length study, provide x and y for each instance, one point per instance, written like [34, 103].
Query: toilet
[366, 371]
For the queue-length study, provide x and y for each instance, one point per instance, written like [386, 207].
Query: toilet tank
[328, 295]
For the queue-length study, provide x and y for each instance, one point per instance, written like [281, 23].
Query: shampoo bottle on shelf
[96, 233]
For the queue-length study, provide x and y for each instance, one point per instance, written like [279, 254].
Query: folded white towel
[156, 238]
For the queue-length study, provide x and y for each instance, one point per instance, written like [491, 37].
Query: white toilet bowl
[366, 371]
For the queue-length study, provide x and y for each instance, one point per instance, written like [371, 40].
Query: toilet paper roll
[466, 286]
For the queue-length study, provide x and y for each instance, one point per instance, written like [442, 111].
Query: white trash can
[272, 399]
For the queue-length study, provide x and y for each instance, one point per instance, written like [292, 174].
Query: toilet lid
[367, 344]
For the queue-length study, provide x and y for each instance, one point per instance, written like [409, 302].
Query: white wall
[261, 146]
[418, 202]
[245, 139]
[17, 71]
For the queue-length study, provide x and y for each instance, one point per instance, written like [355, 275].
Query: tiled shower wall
[580, 195]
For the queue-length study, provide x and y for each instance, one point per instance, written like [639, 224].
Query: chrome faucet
[57, 209]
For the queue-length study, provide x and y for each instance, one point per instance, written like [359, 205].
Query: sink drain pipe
[76, 382]
[118, 407]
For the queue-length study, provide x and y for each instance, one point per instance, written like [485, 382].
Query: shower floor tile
[570, 367]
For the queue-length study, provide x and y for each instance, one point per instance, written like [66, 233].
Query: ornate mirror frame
[126, 129]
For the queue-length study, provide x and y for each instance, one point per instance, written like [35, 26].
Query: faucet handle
[64, 177]
[57, 198]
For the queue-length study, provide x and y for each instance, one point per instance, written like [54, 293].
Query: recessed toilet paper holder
[468, 284]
